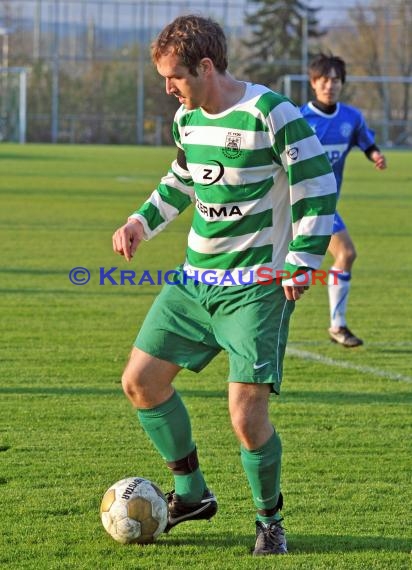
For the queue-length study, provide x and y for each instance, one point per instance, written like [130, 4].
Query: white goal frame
[22, 97]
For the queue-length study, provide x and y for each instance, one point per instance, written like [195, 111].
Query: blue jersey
[338, 133]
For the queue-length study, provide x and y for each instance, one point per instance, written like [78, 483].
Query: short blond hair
[192, 38]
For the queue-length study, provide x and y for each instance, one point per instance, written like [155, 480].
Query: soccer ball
[134, 510]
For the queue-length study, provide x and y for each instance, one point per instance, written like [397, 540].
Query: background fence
[90, 78]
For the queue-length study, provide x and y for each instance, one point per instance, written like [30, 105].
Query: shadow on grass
[81, 290]
[344, 398]
[74, 194]
[32, 271]
[297, 544]
[395, 350]
[318, 397]
[91, 391]
[332, 543]
[40, 156]
[56, 391]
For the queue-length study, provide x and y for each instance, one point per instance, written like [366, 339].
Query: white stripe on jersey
[283, 114]
[210, 136]
[170, 180]
[182, 173]
[302, 259]
[228, 212]
[312, 188]
[313, 226]
[167, 211]
[230, 244]
[300, 150]
[232, 176]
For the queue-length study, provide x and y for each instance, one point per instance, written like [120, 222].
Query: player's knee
[129, 386]
[346, 257]
[350, 254]
[132, 382]
[247, 429]
[248, 407]
[238, 424]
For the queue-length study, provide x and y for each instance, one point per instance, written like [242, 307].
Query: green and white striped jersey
[262, 186]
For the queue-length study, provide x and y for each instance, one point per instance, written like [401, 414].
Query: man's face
[189, 89]
[327, 88]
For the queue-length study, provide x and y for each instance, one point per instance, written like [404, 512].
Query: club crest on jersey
[345, 130]
[232, 145]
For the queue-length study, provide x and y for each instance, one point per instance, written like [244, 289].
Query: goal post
[381, 98]
[13, 104]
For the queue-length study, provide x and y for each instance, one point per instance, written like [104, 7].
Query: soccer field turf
[67, 432]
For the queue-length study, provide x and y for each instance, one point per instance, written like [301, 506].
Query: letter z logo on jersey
[213, 173]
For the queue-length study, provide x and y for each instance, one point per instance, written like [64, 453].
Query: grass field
[67, 432]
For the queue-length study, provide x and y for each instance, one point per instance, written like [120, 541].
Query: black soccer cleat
[345, 337]
[270, 539]
[180, 512]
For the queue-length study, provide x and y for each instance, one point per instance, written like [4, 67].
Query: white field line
[305, 355]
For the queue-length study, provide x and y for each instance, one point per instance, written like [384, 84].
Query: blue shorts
[338, 224]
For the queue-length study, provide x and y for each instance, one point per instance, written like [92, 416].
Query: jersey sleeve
[312, 187]
[172, 196]
[365, 137]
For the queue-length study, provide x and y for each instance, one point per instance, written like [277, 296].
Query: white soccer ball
[134, 510]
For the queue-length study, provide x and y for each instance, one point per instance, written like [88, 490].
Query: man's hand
[379, 160]
[293, 293]
[127, 238]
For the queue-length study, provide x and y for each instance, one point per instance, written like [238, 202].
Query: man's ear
[206, 66]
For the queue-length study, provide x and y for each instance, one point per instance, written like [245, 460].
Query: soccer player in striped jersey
[264, 197]
[339, 127]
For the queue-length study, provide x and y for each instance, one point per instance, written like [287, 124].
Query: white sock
[338, 289]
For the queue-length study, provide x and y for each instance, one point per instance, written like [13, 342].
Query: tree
[278, 43]
[378, 41]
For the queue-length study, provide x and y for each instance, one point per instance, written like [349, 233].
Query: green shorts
[189, 324]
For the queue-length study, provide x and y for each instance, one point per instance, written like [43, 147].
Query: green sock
[262, 467]
[168, 426]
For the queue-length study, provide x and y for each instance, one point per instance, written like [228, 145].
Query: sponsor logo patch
[293, 153]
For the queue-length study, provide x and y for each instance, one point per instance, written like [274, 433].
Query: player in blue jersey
[339, 127]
